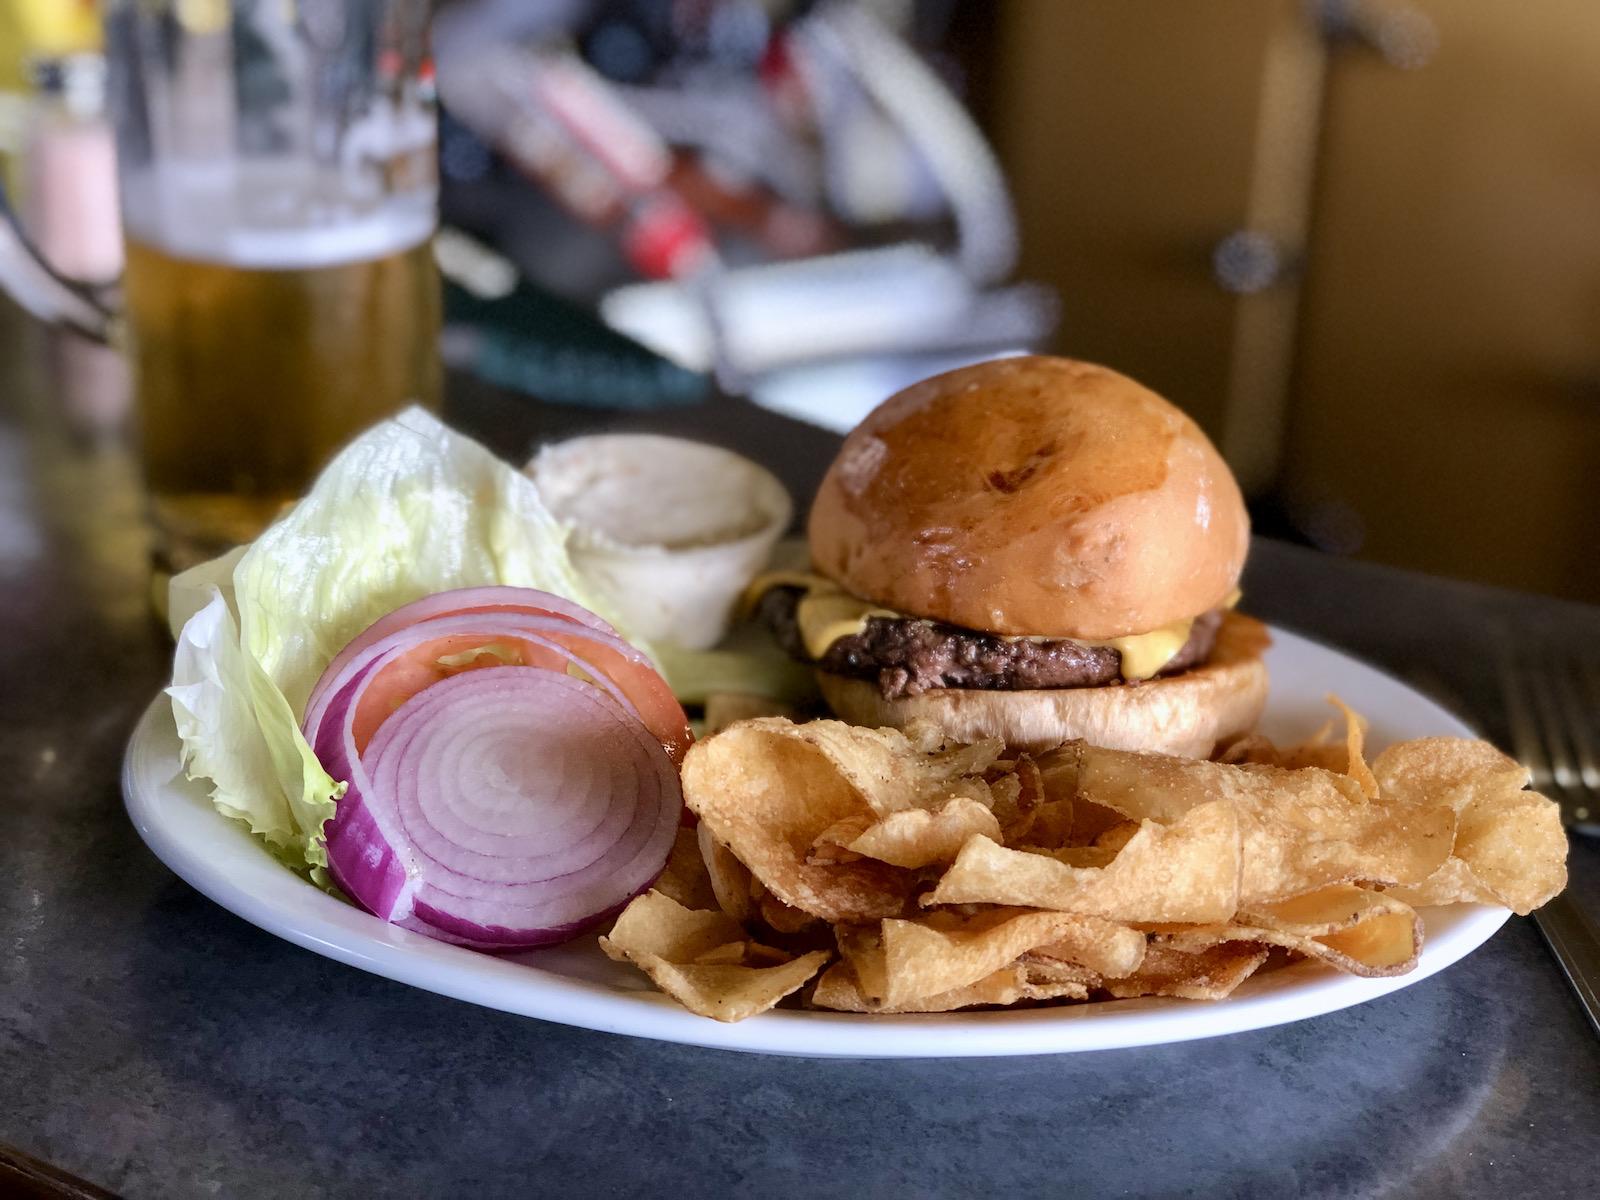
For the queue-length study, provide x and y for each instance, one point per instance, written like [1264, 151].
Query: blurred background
[1358, 242]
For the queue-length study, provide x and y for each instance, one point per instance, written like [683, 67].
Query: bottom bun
[1186, 715]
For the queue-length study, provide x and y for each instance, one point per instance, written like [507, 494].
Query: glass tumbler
[279, 194]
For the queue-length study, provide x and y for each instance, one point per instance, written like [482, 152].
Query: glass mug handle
[29, 281]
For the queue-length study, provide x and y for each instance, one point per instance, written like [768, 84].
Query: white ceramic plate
[577, 985]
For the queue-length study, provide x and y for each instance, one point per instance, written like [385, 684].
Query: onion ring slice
[583, 642]
[501, 808]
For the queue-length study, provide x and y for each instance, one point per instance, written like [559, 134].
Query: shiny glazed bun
[1036, 496]
[1187, 714]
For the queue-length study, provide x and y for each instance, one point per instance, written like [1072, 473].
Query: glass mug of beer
[279, 193]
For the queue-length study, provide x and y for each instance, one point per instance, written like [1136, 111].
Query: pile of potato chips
[917, 876]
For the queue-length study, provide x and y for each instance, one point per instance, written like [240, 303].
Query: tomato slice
[428, 662]
[597, 647]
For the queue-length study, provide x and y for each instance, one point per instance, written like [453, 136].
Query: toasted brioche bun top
[1032, 496]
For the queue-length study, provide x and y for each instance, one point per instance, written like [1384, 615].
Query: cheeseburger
[1031, 548]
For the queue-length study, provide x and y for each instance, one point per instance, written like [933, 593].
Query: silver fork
[1553, 708]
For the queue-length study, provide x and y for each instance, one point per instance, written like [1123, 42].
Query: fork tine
[1525, 741]
[1550, 713]
[1552, 704]
[1584, 681]
[1589, 705]
[1576, 726]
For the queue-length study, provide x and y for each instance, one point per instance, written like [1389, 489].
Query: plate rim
[270, 896]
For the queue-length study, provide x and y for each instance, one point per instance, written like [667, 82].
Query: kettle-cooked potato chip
[1301, 828]
[1326, 910]
[704, 960]
[655, 923]
[1041, 970]
[1510, 847]
[1081, 872]
[781, 918]
[1050, 826]
[838, 990]
[1447, 770]
[1104, 947]
[1452, 883]
[1355, 738]
[685, 877]
[945, 950]
[767, 793]
[1367, 932]
[892, 774]
[1359, 931]
[1211, 973]
[1347, 758]
[729, 878]
[1186, 871]
[918, 837]
[727, 993]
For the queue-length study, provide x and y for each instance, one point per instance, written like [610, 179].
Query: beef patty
[906, 656]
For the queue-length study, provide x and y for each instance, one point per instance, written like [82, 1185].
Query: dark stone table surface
[159, 1047]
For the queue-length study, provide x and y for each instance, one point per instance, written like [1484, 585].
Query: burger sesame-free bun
[1186, 714]
[1032, 496]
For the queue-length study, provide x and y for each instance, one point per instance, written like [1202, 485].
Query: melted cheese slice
[825, 617]
[827, 613]
[1144, 654]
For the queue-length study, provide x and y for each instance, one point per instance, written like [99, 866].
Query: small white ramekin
[669, 531]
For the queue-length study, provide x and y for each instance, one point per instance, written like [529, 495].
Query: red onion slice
[502, 808]
[458, 600]
[561, 645]
[577, 635]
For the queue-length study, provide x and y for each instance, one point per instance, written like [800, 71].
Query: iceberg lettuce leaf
[190, 591]
[214, 692]
[408, 509]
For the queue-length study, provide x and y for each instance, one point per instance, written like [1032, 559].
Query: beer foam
[230, 214]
